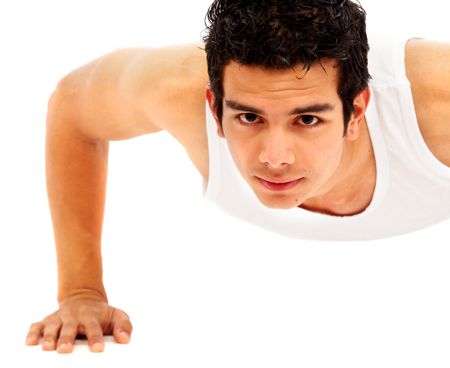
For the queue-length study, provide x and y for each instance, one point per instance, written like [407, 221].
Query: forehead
[241, 80]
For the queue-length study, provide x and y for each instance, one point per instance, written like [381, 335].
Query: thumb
[122, 327]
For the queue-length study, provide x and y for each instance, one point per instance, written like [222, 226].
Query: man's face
[284, 129]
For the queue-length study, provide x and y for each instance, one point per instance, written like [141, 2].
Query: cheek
[323, 155]
[242, 143]
[241, 150]
[319, 153]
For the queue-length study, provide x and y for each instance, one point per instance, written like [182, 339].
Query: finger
[51, 332]
[34, 333]
[94, 334]
[122, 327]
[67, 337]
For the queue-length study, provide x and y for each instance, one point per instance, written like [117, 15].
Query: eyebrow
[314, 108]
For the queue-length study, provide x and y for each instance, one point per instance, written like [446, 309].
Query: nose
[276, 151]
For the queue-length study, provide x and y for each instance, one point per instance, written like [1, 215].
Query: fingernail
[47, 345]
[124, 335]
[97, 347]
[63, 347]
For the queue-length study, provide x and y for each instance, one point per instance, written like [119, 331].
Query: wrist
[95, 294]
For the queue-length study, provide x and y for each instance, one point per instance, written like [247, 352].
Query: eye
[309, 120]
[248, 118]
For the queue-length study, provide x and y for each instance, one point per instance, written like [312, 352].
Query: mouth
[279, 186]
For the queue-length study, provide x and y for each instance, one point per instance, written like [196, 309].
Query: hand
[81, 315]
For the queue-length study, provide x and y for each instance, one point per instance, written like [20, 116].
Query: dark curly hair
[280, 34]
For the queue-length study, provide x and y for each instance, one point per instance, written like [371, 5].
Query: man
[303, 145]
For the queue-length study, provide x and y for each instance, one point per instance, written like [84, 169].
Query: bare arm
[428, 70]
[114, 97]
[76, 168]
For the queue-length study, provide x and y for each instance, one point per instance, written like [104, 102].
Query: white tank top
[412, 186]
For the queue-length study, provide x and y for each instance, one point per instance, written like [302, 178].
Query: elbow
[65, 94]
[64, 113]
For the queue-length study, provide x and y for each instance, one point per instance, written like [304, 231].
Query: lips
[279, 185]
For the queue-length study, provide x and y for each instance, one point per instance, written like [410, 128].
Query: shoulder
[428, 70]
[168, 85]
[136, 91]
[148, 87]
[428, 65]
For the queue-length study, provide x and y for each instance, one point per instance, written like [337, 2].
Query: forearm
[76, 170]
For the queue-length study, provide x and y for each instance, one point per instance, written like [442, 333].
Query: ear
[360, 104]
[211, 100]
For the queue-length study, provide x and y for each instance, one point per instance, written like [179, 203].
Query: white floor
[203, 289]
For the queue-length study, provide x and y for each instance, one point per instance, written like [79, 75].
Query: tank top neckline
[381, 165]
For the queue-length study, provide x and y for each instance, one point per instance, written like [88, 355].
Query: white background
[203, 289]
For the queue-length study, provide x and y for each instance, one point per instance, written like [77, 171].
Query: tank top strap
[387, 61]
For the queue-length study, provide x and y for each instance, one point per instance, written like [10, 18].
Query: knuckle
[49, 318]
[66, 340]
[94, 333]
[49, 337]
[51, 321]
[123, 315]
[94, 338]
[35, 326]
[63, 340]
[52, 328]
[70, 325]
[128, 327]
[127, 324]
[70, 334]
[92, 326]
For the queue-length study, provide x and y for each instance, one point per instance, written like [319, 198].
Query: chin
[279, 203]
